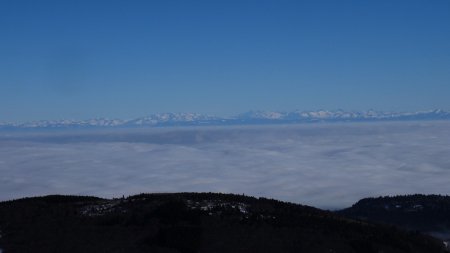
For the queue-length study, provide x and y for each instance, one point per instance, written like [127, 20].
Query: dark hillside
[425, 213]
[191, 222]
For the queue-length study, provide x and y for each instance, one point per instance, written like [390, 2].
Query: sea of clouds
[324, 165]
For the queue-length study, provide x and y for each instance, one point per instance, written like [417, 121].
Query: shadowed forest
[192, 222]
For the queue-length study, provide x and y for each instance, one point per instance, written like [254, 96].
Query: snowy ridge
[252, 117]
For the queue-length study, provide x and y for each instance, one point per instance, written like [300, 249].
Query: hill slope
[191, 222]
[425, 213]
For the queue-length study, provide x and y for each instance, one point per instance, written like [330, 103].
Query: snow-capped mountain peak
[251, 117]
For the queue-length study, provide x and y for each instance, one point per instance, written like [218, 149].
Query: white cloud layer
[323, 165]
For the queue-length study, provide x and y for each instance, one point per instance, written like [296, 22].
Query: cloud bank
[323, 165]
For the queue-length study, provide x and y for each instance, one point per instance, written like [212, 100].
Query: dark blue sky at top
[83, 59]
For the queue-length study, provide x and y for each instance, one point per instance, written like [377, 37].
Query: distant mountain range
[248, 118]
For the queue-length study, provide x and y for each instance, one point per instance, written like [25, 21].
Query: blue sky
[83, 59]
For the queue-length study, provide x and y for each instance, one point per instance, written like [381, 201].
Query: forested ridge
[418, 212]
[192, 222]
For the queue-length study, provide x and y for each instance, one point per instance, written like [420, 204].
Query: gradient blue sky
[83, 59]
